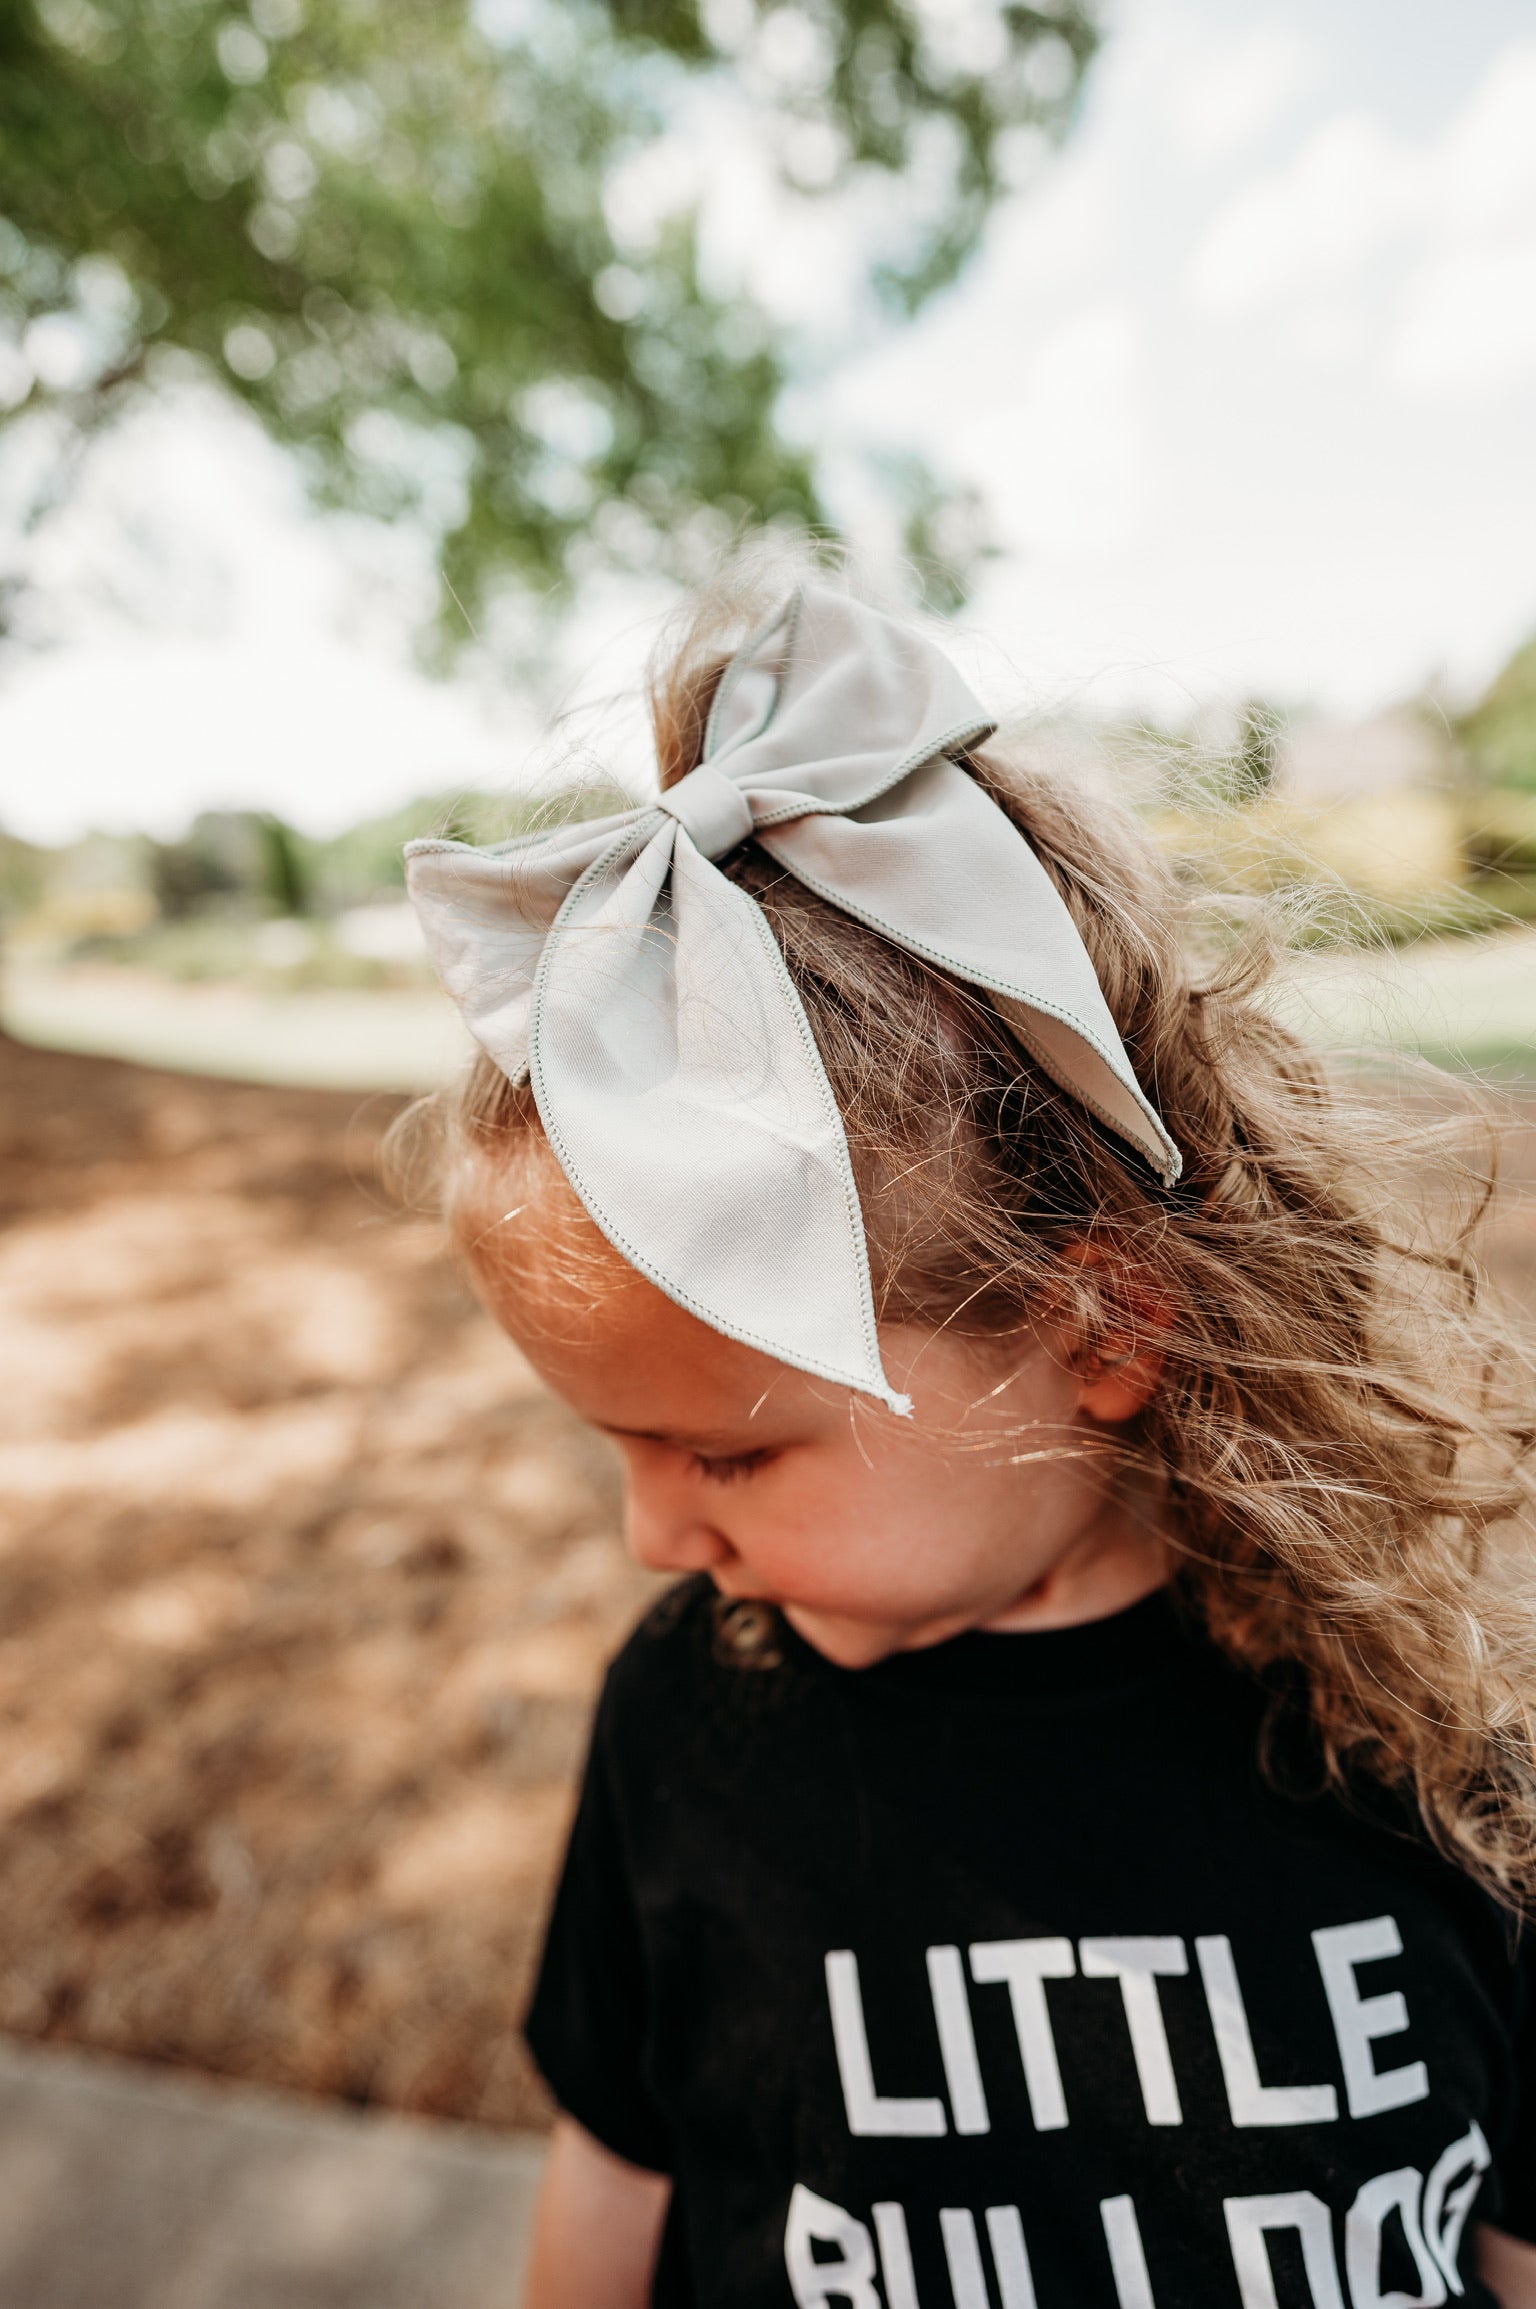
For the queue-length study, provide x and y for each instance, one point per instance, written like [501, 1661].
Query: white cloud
[1466, 330]
[1330, 334]
[1310, 224]
[1487, 159]
[978, 352]
[1234, 97]
[1062, 454]
[1438, 237]
[1469, 327]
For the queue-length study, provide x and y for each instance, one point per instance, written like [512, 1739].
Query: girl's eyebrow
[685, 1439]
[661, 1435]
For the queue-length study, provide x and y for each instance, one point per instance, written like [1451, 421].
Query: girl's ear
[1116, 1387]
[1121, 1370]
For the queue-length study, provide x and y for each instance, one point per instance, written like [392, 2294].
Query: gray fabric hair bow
[643, 993]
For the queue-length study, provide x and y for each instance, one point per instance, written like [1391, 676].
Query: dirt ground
[305, 1589]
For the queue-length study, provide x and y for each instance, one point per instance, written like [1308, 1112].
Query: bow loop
[641, 990]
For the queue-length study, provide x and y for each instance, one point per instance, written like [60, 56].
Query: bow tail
[937, 868]
[680, 1084]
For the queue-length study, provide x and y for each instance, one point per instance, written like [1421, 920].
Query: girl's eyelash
[733, 1468]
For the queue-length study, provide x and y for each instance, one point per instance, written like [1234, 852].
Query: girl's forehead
[607, 1340]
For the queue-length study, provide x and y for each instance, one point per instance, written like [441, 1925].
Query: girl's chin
[847, 1643]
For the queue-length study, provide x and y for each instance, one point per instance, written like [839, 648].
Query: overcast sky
[1247, 380]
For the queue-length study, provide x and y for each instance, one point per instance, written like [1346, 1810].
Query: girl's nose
[673, 1543]
[664, 1527]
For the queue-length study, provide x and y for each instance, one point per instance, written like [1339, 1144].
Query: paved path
[334, 1040]
[128, 2187]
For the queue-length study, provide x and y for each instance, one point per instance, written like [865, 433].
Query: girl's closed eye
[732, 1467]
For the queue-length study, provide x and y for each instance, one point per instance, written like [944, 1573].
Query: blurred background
[371, 380]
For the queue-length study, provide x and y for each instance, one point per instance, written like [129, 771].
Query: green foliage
[389, 230]
[194, 905]
[1500, 732]
[245, 858]
[1499, 837]
[23, 875]
[222, 859]
[879, 84]
[285, 881]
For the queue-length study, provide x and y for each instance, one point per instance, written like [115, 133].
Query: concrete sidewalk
[129, 2187]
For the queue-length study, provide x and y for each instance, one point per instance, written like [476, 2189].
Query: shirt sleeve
[588, 2025]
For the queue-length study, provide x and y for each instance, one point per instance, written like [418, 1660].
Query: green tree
[392, 231]
[23, 875]
[1500, 731]
[284, 881]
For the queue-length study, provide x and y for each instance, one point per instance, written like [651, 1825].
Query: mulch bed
[305, 1589]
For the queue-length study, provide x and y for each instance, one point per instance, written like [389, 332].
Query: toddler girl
[1060, 1844]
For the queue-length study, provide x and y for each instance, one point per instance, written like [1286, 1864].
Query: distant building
[1322, 762]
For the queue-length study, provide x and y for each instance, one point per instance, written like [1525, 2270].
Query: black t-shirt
[996, 1976]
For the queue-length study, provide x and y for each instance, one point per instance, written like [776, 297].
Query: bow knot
[711, 809]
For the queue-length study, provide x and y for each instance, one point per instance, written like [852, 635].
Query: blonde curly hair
[1343, 1418]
